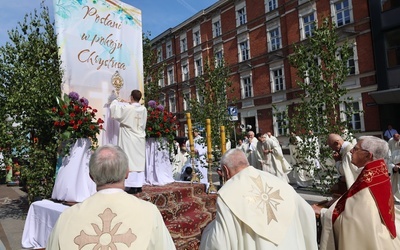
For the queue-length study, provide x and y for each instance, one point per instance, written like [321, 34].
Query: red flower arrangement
[160, 123]
[74, 119]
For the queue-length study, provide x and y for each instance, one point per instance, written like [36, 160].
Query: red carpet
[186, 209]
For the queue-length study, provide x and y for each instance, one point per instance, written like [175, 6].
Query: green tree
[30, 78]
[151, 74]
[212, 102]
[322, 68]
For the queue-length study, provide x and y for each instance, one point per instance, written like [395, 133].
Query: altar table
[41, 218]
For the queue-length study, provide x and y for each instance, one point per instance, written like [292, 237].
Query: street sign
[233, 113]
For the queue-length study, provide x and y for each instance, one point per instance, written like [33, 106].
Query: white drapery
[158, 166]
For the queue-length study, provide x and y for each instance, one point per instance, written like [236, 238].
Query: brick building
[255, 37]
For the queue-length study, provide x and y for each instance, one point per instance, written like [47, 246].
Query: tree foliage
[151, 74]
[30, 77]
[322, 68]
[212, 102]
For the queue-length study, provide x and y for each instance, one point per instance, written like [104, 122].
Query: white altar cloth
[158, 166]
[73, 182]
[41, 218]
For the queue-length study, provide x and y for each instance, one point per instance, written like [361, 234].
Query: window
[280, 123]
[271, 5]
[198, 67]
[183, 44]
[196, 38]
[185, 72]
[162, 99]
[352, 61]
[274, 39]
[170, 75]
[161, 81]
[172, 102]
[342, 10]
[244, 51]
[247, 87]
[217, 28]
[199, 96]
[354, 119]
[308, 25]
[277, 79]
[393, 48]
[169, 49]
[218, 58]
[241, 16]
[159, 54]
[186, 100]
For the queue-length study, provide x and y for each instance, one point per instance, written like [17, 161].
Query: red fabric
[186, 209]
[375, 177]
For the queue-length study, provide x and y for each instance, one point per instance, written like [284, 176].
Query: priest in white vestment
[277, 165]
[363, 217]
[251, 152]
[394, 165]
[199, 161]
[111, 218]
[348, 171]
[303, 169]
[256, 210]
[132, 117]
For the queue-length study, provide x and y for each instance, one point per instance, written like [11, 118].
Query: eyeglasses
[355, 149]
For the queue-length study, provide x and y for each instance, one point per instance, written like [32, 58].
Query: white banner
[98, 40]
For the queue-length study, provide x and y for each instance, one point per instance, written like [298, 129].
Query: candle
[223, 140]
[190, 133]
[208, 129]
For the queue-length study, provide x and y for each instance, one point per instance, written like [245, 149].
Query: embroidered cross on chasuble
[375, 177]
[106, 236]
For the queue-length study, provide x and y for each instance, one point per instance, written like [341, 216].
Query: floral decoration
[160, 122]
[74, 119]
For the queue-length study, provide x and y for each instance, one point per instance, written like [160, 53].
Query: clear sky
[157, 15]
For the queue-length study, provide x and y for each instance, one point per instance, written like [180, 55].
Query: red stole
[375, 177]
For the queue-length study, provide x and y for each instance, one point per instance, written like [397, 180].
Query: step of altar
[186, 209]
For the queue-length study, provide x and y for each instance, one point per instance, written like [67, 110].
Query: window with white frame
[185, 72]
[244, 51]
[277, 78]
[271, 5]
[199, 96]
[308, 25]
[186, 99]
[196, 36]
[216, 26]
[352, 62]
[241, 16]
[172, 102]
[247, 87]
[352, 113]
[218, 58]
[280, 123]
[198, 66]
[168, 47]
[342, 11]
[274, 37]
[183, 43]
[161, 81]
[170, 75]
[159, 54]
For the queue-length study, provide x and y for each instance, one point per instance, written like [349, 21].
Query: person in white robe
[180, 160]
[342, 156]
[252, 150]
[256, 210]
[241, 145]
[111, 218]
[364, 217]
[394, 165]
[132, 117]
[263, 157]
[278, 165]
[198, 163]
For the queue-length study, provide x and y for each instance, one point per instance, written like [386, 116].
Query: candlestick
[223, 140]
[195, 177]
[211, 188]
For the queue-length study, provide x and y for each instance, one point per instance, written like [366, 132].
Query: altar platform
[185, 207]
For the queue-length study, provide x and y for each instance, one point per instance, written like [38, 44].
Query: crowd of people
[256, 207]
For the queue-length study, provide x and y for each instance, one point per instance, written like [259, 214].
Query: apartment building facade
[255, 38]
